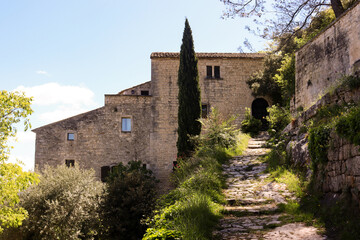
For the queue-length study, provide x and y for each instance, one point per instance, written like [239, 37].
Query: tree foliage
[277, 79]
[275, 18]
[14, 107]
[129, 198]
[189, 95]
[63, 205]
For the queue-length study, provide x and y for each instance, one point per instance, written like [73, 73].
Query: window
[70, 163]
[70, 136]
[204, 110]
[217, 71]
[175, 165]
[126, 124]
[144, 93]
[208, 71]
[105, 171]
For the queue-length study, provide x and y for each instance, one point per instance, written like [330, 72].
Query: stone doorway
[258, 111]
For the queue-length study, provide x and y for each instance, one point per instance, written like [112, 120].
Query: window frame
[209, 71]
[122, 124]
[68, 136]
[70, 163]
[207, 110]
[217, 73]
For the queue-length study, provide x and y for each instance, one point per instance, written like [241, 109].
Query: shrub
[348, 126]
[218, 131]
[351, 81]
[250, 124]
[129, 197]
[189, 218]
[63, 205]
[279, 118]
[319, 144]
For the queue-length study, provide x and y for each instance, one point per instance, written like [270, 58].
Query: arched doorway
[258, 110]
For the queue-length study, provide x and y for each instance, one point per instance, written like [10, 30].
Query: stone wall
[341, 173]
[141, 89]
[332, 54]
[99, 140]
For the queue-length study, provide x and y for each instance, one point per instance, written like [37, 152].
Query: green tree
[64, 205]
[129, 198]
[277, 79]
[189, 95]
[276, 18]
[14, 107]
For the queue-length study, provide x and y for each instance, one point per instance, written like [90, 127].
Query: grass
[193, 208]
[338, 219]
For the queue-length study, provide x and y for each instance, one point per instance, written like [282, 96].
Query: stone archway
[258, 111]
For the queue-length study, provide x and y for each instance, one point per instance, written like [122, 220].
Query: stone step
[247, 201]
[251, 209]
[232, 227]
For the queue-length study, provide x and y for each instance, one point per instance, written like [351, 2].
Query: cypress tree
[189, 95]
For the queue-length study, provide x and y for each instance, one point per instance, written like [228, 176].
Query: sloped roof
[208, 55]
[86, 116]
[136, 86]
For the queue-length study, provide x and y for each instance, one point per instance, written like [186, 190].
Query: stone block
[353, 166]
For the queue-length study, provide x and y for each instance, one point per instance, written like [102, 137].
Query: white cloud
[54, 93]
[52, 102]
[24, 149]
[41, 72]
[61, 112]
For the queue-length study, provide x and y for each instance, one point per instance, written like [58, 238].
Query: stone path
[251, 211]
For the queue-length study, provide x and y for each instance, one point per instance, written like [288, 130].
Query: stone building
[140, 123]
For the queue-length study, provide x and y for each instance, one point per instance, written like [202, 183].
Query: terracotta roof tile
[208, 55]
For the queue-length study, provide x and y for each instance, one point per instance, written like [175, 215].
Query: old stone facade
[329, 56]
[319, 65]
[140, 123]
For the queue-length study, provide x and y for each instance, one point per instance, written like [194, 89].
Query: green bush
[250, 124]
[351, 81]
[129, 197]
[189, 218]
[319, 144]
[63, 205]
[218, 131]
[348, 125]
[279, 118]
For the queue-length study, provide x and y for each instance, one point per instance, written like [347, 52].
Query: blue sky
[68, 53]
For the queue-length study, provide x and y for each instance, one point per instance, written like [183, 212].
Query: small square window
[144, 93]
[70, 136]
[209, 71]
[70, 163]
[126, 124]
[217, 71]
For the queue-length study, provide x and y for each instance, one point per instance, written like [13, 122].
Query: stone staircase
[252, 201]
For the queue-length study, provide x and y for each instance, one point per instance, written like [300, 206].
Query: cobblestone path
[251, 211]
